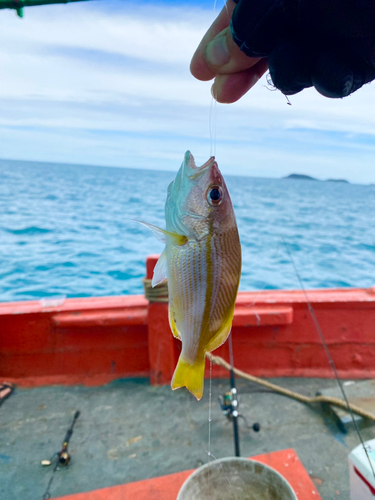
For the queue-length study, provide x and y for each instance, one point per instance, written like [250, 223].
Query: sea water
[68, 230]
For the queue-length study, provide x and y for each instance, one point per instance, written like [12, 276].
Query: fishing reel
[62, 457]
[230, 404]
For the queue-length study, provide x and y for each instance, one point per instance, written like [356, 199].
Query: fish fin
[222, 335]
[172, 324]
[160, 270]
[190, 376]
[161, 234]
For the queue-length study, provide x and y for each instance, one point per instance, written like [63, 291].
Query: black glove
[328, 44]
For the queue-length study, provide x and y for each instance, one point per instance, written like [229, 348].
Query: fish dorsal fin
[160, 270]
[161, 234]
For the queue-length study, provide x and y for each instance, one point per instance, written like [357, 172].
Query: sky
[108, 83]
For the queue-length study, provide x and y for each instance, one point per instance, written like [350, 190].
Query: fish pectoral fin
[172, 323]
[222, 335]
[190, 376]
[161, 234]
[160, 270]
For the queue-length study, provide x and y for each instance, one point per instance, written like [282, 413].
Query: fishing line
[209, 415]
[230, 342]
[328, 354]
[210, 455]
[212, 124]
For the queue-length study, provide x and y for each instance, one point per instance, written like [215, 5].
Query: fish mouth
[191, 168]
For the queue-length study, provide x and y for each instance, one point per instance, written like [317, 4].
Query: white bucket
[236, 479]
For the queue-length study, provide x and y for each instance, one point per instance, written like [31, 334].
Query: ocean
[67, 230]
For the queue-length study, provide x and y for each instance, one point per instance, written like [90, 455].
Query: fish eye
[214, 195]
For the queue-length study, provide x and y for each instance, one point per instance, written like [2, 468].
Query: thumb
[223, 56]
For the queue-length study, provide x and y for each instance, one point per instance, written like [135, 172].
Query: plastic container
[236, 479]
[362, 481]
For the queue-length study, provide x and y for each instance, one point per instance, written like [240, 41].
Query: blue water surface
[67, 230]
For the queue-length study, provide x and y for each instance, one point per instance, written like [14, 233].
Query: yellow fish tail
[190, 376]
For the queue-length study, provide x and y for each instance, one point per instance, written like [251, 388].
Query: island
[337, 180]
[300, 177]
[304, 177]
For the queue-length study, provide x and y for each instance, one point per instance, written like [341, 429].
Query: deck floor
[128, 431]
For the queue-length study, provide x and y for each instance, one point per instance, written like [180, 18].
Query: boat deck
[129, 431]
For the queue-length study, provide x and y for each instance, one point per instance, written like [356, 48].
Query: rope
[217, 360]
[157, 294]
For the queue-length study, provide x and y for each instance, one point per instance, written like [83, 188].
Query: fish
[202, 263]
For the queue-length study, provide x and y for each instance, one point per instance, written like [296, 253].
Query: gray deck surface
[174, 433]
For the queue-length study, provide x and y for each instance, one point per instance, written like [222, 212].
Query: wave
[31, 230]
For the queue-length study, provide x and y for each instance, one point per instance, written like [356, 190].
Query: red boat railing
[95, 340]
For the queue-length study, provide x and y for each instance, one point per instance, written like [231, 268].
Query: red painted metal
[161, 345]
[88, 341]
[131, 316]
[286, 462]
[261, 316]
[98, 339]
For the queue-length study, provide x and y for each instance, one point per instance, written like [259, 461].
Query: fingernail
[217, 52]
[214, 91]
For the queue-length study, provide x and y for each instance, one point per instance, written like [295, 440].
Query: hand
[328, 45]
[219, 57]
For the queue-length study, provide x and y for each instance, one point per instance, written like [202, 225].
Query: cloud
[108, 83]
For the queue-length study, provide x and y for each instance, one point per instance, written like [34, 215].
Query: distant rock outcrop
[301, 177]
[337, 180]
[304, 177]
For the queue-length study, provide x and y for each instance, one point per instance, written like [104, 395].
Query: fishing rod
[18, 5]
[328, 354]
[234, 400]
[229, 404]
[62, 456]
